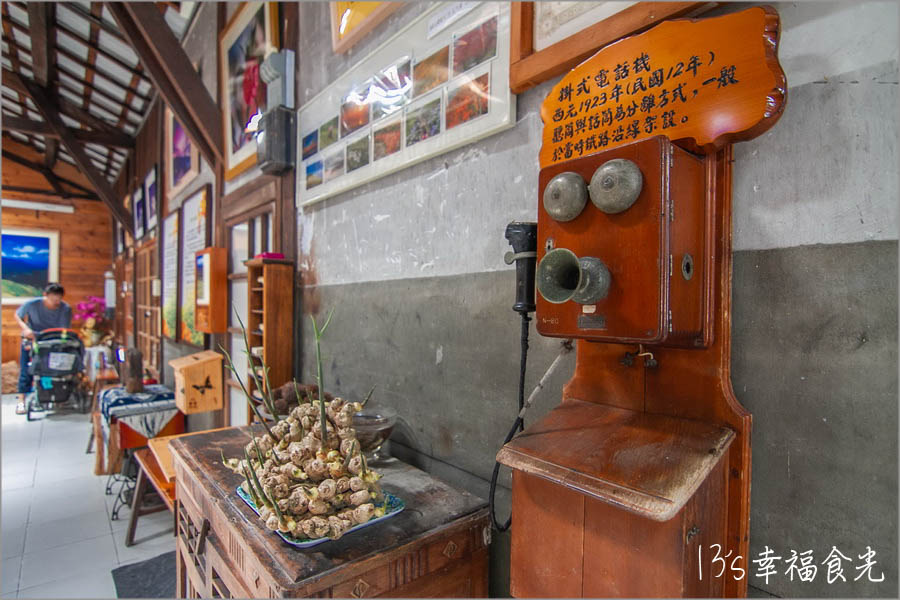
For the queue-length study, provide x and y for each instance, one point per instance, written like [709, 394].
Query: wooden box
[211, 290]
[655, 252]
[436, 547]
[198, 382]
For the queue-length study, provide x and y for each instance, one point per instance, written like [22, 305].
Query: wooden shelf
[270, 301]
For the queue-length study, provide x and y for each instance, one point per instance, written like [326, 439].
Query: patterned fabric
[147, 412]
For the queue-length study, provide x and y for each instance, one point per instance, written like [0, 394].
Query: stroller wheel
[28, 409]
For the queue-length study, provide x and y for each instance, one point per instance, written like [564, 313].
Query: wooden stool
[148, 471]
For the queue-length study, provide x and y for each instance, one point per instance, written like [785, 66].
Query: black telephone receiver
[523, 238]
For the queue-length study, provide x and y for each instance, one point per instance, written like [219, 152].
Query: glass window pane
[240, 251]
[238, 302]
[257, 236]
[238, 408]
[269, 244]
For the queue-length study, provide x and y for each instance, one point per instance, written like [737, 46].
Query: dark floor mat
[153, 578]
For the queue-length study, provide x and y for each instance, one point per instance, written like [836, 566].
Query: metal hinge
[670, 321]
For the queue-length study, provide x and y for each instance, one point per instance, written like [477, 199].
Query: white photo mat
[413, 43]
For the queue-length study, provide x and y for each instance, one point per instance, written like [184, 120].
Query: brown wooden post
[134, 371]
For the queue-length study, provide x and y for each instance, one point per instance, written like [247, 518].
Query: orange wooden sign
[703, 83]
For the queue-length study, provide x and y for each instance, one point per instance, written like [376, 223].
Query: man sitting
[33, 317]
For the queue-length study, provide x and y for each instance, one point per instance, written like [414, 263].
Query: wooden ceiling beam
[37, 191]
[172, 73]
[39, 19]
[51, 153]
[111, 139]
[96, 91]
[95, 19]
[101, 186]
[41, 169]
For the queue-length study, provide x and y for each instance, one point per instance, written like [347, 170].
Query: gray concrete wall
[412, 264]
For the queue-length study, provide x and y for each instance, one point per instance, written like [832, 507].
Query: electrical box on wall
[211, 290]
[275, 143]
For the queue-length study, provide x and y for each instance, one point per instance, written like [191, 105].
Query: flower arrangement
[91, 313]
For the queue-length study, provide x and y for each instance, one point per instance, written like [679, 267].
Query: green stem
[369, 395]
[323, 417]
[247, 394]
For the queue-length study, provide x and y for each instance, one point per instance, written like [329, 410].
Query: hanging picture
[30, 262]
[140, 212]
[151, 197]
[170, 263]
[441, 82]
[351, 21]
[194, 237]
[250, 36]
[181, 155]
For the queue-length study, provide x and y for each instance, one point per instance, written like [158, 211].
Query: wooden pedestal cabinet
[436, 547]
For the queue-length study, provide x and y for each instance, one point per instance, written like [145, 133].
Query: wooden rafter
[69, 195]
[172, 73]
[51, 114]
[92, 70]
[39, 17]
[47, 173]
[75, 35]
[113, 139]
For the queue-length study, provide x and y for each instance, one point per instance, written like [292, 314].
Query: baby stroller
[57, 359]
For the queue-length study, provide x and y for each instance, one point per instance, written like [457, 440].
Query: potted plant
[94, 324]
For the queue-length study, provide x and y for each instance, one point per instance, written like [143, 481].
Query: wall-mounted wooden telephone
[645, 465]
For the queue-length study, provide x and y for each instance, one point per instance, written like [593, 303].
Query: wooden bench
[150, 472]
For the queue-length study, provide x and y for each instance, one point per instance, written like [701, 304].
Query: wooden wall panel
[85, 242]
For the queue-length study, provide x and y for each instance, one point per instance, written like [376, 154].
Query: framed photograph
[423, 121]
[355, 109]
[171, 261]
[550, 38]
[391, 89]
[333, 166]
[402, 104]
[431, 71]
[195, 234]
[181, 156]
[358, 153]
[328, 133]
[468, 100]
[248, 38]
[140, 212]
[310, 144]
[30, 262]
[151, 198]
[352, 21]
[387, 140]
[314, 174]
[475, 46]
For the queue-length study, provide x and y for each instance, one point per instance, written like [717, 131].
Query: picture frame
[352, 21]
[194, 235]
[182, 158]
[140, 212]
[170, 259]
[529, 67]
[405, 122]
[250, 36]
[151, 198]
[30, 262]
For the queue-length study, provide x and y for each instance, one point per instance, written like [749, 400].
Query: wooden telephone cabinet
[626, 488]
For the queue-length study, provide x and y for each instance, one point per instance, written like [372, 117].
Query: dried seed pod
[343, 419]
[320, 527]
[357, 484]
[346, 433]
[343, 485]
[355, 465]
[317, 469]
[318, 506]
[338, 526]
[284, 505]
[360, 497]
[347, 445]
[297, 502]
[336, 469]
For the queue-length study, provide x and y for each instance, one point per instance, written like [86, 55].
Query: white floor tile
[96, 582]
[150, 540]
[13, 542]
[59, 532]
[16, 504]
[17, 482]
[9, 579]
[10, 595]
[69, 562]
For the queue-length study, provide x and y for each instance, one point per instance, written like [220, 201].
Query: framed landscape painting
[30, 261]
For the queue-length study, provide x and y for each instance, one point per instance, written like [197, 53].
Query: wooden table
[436, 547]
[160, 448]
